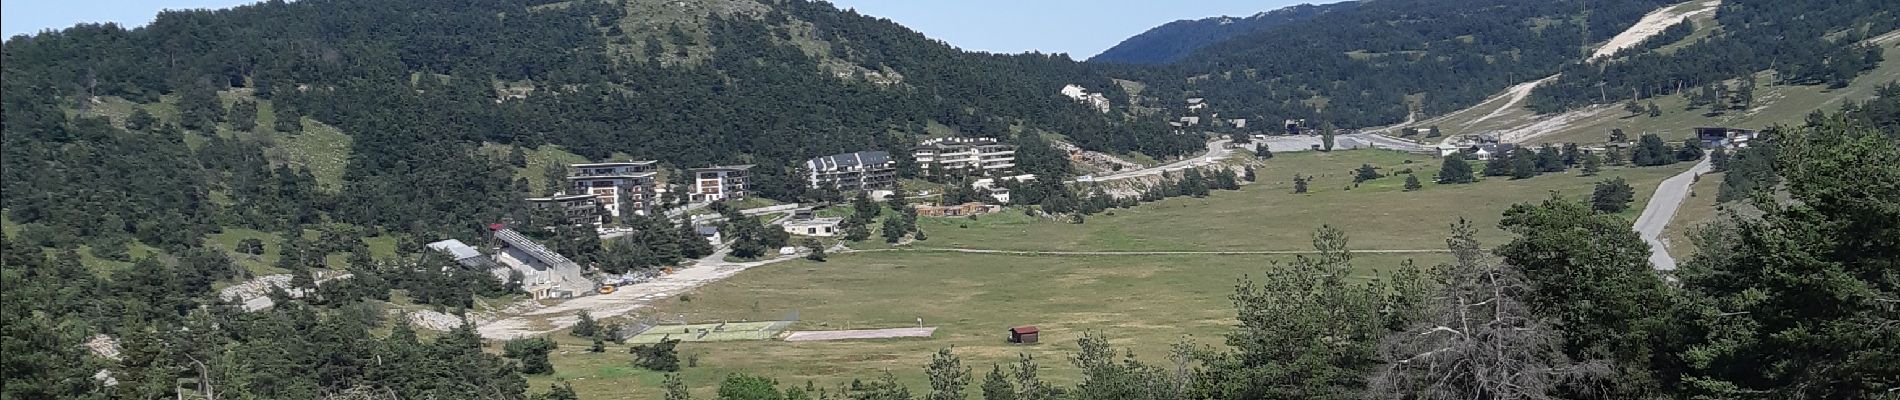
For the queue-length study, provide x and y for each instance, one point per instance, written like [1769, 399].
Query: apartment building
[862, 170]
[982, 156]
[613, 181]
[578, 208]
[726, 182]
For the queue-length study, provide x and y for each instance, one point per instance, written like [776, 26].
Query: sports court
[712, 332]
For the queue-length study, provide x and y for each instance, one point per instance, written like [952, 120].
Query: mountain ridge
[1175, 40]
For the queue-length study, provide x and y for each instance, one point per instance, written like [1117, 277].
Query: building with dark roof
[862, 170]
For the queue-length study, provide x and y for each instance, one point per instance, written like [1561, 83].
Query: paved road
[1661, 209]
[1216, 151]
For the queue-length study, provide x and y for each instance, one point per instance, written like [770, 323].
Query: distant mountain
[1175, 40]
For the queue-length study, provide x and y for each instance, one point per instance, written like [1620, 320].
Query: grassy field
[1697, 210]
[1142, 303]
[1379, 214]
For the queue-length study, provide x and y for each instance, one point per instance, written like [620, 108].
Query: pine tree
[1433, 132]
[1612, 196]
[1411, 183]
[1247, 174]
[1523, 164]
[1654, 111]
[1261, 151]
[948, 376]
[1590, 164]
[817, 250]
[996, 386]
[140, 120]
[243, 116]
[1299, 184]
[676, 388]
[1365, 173]
[1455, 170]
[585, 326]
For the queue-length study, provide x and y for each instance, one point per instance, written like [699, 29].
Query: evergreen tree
[1650, 151]
[243, 116]
[817, 250]
[1523, 164]
[1654, 111]
[1261, 151]
[1718, 159]
[1365, 173]
[676, 388]
[140, 120]
[948, 376]
[662, 356]
[1591, 164]
[1549, 160]
[996, 386]
[532, 353]
[1411, 183]
[1433, 132]
[1612, 196]
[1299, 184]
[1691, 150]
[1247, 173]
[893, 230]
[1455, 170]
[585, 326]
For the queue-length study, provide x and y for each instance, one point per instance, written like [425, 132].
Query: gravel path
[1661, 209]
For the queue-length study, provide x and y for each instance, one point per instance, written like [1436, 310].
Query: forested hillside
[1805, 42]
[418, 87]
[1377, 63]
[1172, 41]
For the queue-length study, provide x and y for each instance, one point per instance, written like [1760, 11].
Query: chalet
[852, 171]
[614, 182]
[716, 183]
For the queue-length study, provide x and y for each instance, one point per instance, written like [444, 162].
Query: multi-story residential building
[611, 182]
[852, 171]
[983, 156]
[578, 208]
[729, 182]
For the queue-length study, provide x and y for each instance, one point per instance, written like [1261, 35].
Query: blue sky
[1080, 28]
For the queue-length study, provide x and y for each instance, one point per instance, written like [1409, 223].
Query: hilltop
[1176, 40]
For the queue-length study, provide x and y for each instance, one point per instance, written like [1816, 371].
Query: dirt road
[629, 298]
[1661, 209]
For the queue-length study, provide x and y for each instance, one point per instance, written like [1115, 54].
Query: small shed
[1025, 334]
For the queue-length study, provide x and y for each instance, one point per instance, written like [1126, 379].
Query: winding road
[1661, 209]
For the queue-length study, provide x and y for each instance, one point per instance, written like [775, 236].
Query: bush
[533, 354]
[663, 356]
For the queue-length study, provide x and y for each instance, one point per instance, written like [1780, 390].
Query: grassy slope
[1145, 303]
[1268, 216]
[1697, 210]
[1142, 303]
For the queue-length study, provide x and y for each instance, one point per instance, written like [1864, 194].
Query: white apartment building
[852, 171]
[725, 182]
[610, 182]
[983, 156]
